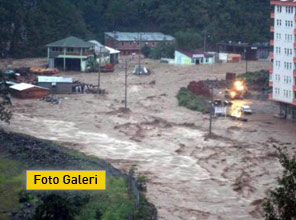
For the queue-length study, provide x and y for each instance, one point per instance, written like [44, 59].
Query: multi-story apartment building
[283, 70]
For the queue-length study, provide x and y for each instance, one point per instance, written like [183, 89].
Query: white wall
[281, 87]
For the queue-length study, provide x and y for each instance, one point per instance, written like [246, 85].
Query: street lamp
[245, 51]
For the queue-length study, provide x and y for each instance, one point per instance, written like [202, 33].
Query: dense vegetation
[258, 80]
[5, 113]
[193, 102]
[20, 152]
[281, 201]
[27, 25]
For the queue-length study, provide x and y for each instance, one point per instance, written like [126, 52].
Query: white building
[283, 71]
[193, 57]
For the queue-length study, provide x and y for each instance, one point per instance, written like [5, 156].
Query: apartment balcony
[272, 29]
[294, 59]
[270, 84]
[271, 56]
[271, 42]
[294, 45]
[294, 88]
[294, 73]
[272, 15]
[55, 54]
[270, 70]
[295, 31]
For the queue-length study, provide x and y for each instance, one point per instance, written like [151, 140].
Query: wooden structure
[28, 91]
[56, 85]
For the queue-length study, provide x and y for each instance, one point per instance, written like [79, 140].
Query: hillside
[27, 25]
[19, 153]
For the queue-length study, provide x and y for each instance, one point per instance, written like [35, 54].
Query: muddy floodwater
[189, 176]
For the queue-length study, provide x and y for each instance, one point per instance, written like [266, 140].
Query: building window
[70, 49]
[279, 8]
[289, 9]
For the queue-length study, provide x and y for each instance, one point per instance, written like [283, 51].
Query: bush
[5, 113]
[257, 80]
[281, 202]
[193, 102]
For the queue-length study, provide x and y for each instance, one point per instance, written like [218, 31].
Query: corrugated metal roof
[99, 46]
[111, 50]
[192, 53]
[22, 86]
[134, 36]
[53, 79]
[71, 42]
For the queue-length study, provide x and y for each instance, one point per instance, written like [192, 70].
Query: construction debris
[44, 71]
[80, 87]
[52, 99]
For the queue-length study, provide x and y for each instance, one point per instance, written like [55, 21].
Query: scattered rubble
[52, 99]
[44, 71]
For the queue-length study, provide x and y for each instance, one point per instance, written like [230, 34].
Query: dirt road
[189, 177]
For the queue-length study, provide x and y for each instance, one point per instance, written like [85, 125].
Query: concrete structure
[56, 85]
[70, 53]
[28, 91]
[194, 57]
[114, 55]
[283, 70]
[247, 51]
[128, 42]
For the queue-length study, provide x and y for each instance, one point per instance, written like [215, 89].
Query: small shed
[114, 55]
[28, 91]
[57, 85]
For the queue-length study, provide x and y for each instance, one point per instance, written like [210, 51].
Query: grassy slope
[19, 152]
[193, 102]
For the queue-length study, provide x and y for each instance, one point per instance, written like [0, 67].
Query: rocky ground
[189, 176]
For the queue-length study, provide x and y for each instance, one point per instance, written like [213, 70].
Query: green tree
[146, 50]
[5, 113]
[163, 50]
[28, 25]
[281, 201]
[188, 40]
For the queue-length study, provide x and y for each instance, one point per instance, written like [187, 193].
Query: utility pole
[99, 76]
[140, 39]
[205, 40]
[125, 92]
[211, 110]
[246, 59]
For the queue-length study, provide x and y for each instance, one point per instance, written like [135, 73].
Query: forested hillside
[27, 25]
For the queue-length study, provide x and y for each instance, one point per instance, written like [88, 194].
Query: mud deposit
[189, 176]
